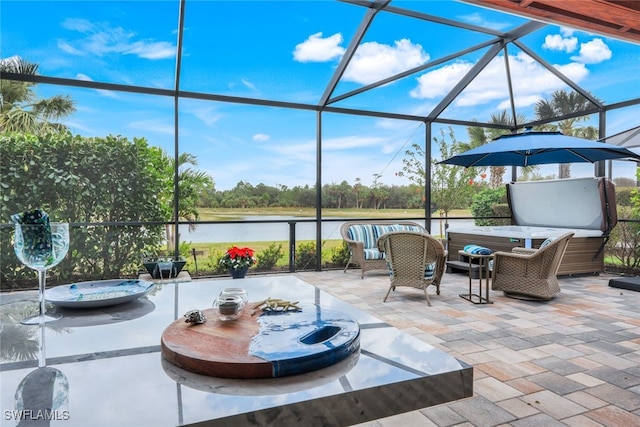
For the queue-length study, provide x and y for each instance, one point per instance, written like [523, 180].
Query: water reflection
[21, 343]
[263, 386]
[41, 397]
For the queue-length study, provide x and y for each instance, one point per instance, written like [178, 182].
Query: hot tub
[543, 209]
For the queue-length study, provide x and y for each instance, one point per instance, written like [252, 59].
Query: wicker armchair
[530, 274]
[415, 259]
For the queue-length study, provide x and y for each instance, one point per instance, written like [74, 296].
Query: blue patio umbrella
[538, 148]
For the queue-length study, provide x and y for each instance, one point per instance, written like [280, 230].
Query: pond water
[271, 232]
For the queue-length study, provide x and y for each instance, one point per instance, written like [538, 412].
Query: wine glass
[33, 250]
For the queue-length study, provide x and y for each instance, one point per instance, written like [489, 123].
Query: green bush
[623, 246]
[215, 255]
[85, 180]
[624, 195]
[340, 255]
[268, 258]
[502, 209]
[483, 203]
[306, 256]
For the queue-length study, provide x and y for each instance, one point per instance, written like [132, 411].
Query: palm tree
[563, 103]
[479, 136]
[191, 184]
[21, 110]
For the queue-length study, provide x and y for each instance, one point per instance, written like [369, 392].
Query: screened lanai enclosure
[159, 110]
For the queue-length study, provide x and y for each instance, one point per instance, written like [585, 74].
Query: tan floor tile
[479, 357]
[534, 353]
[414, 418]
[481, 326]
[582, 421]
[560, 351]
[553, 404]
[586, 400]
[585, 363]
[518, 408]
[611, 360]
[584, 349]
[533, 332]
[522, 323]
[614, 416]
[525, 386]
[494, 390]
[634, 346]
[507, 355]
[509, 371]
[585, 379]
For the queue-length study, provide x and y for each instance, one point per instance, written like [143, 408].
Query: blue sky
[288, 51]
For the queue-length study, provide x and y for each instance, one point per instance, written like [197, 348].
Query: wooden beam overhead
[618, 19]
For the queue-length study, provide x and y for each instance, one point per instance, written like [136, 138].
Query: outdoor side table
[483, 271]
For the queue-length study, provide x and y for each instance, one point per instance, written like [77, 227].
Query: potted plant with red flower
[238, 260]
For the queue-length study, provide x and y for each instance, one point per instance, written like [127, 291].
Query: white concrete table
[117, 376]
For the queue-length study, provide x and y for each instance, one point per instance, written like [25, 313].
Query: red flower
[236, 258]
[235, 252]
[471, 182]
[483, 176]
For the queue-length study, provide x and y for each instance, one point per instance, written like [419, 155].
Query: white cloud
[440, 81]
[153, 126]
[102, 39]
[152, 50]
[107, 93]
[557, 42]
[261, 137]
[248, 84]
[593, 52]
[566, 31]
[519, 100]
[479, 20]
[375, 61]
[350, 142]
[66, 47]
[207, 115]
[305, 151]
[530, 81]
[573, 70]
[318, 49]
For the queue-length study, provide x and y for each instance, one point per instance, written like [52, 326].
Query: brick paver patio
[574, 360]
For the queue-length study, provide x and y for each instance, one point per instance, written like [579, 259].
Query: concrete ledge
[183, 276]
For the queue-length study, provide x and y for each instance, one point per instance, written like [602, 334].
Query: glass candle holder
[228, 307]
[240, 292]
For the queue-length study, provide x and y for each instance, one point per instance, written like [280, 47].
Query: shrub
[85, 180]
[215, 255]
[483, 203]
[502, 209]
[340, 255]
[268, 258]
[624, 241]
[306, 256]
[624, 195]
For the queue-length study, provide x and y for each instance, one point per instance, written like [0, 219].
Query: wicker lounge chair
[415, 259]
[530, 273]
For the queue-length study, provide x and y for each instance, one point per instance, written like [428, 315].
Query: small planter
[238, 273]
[164, 268]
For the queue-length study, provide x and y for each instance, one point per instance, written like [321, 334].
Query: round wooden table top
[262, 345]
